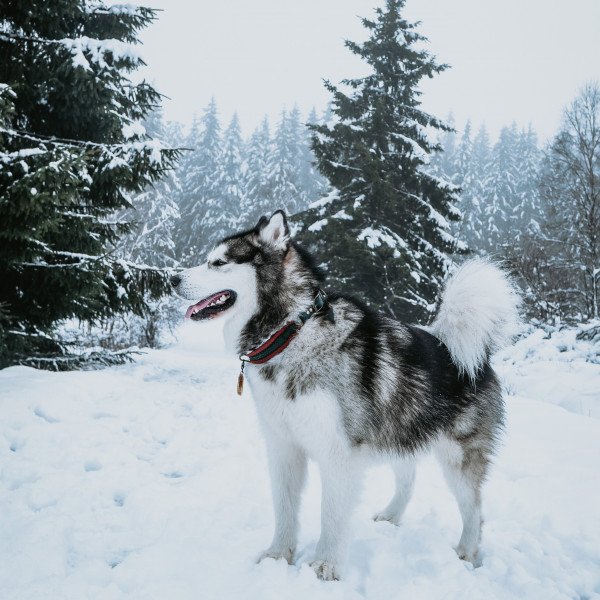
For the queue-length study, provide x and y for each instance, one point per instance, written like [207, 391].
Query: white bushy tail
[478, 314]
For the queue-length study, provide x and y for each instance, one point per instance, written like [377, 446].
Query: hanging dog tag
[240, 385]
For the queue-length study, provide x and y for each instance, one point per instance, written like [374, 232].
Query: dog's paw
[384, 515]
[325, 570]
[276, 553]
[471, 556]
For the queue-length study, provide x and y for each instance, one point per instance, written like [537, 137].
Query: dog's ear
[261, 222]
[275, 231]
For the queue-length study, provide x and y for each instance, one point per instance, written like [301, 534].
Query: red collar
[281, 339]
[271, 347]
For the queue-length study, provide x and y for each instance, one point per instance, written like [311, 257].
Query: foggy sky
[519, 60]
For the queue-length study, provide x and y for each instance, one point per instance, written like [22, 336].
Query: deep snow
[150, 481]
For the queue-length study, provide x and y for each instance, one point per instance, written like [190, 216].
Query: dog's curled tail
[478, 314]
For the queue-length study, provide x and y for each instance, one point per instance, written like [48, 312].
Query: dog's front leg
[340, 482]
[287, 465]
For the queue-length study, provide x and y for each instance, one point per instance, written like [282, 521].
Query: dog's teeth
[216, 301]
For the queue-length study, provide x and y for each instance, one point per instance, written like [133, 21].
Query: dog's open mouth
[211, 306]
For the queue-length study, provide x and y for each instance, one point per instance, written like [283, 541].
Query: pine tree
[283, 163]
[464, 158]
[258, 198]
[202, 216]
[72, 152]
[478, 191]
[466, 178]
[155, 212]
[151, 241]
[527, 209]
[172, 132]
[312, 184]
[499, 220]
[443, 163]
[231, 184]
[385, 229]
[281, 173]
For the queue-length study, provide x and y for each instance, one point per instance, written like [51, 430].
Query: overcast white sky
[519, 60]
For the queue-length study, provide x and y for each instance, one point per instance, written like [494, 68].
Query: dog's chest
[312, 420]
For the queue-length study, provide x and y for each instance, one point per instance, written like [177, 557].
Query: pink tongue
[200, 305]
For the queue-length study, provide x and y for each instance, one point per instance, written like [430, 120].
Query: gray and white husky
[343, 385]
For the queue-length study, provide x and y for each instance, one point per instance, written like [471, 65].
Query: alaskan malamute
[336, 382]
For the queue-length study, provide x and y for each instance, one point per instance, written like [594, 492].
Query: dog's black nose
[175, 280]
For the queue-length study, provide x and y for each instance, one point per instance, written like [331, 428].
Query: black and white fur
[361, 387]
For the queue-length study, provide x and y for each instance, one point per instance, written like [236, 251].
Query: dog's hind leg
[404, 473]
[287, 466]
[465, 466]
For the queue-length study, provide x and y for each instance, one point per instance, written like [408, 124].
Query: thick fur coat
[354, 386]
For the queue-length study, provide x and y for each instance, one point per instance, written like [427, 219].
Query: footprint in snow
[16, 444]
[119, 498]
[103, 415]
[118, 558]
[42, 414]
[92, 465]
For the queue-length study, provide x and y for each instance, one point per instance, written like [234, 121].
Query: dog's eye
[219, 263]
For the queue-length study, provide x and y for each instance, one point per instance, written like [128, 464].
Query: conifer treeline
[538, 209]
[225, 182]
[499, 184]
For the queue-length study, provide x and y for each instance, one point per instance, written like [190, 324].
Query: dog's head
[228, 282]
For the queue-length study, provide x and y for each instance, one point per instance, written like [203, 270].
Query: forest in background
[100, 199]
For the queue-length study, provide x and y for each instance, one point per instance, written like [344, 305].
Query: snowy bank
[555, 366]
[150, 481]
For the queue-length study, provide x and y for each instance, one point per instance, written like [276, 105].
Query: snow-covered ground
[150, 481]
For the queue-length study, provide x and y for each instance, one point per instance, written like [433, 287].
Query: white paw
[325, 570]
[387, 516]
[472, 556]
[276, 553]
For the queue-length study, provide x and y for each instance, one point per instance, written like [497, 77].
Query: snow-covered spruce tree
[285, 157]
[499, 218]
[187, 176]
[312, 183]
[476, 190]
[258, 196]
[443, 164]
[281, 172]
[384, 232]
[463, 158]
[472, 172]
[154, 213]
[232, 176]
[527, 207]
[203, 217]
[464, 179]
[71, 154]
